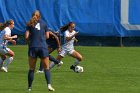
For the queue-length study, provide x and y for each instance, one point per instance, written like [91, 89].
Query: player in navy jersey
[35, 35]
[53, 44]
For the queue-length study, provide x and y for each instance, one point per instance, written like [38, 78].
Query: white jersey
[6, 31]
[68, 45]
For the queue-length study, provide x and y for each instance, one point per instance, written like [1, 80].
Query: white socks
[76, 62]
[52, 64]
[8, 60]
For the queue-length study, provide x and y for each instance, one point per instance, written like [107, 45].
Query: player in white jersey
[68, 46]
[6, 53]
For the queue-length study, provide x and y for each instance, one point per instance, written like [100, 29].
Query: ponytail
[35, 17]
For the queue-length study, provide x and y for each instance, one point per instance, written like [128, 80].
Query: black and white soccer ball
[79, 69]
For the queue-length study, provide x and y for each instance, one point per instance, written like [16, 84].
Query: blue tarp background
[92, 17]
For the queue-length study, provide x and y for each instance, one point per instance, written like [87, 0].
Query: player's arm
[69, 38]
[27, 36]
[10, 38]
[57, 40]
[7, 37]
[12, 41]
[47, 35]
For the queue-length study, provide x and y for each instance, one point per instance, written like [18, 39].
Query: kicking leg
[78, 58]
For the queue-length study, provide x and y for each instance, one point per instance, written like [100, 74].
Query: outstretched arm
[12, 41]
[10, 38]
[69, 38]
[7, 37]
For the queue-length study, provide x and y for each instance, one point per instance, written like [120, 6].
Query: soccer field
[106, 70]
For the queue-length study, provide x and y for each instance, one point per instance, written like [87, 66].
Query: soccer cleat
[4, 69]
[59, 64]
[39, 71]
[72, 67]
[29, 89]
[50, 88]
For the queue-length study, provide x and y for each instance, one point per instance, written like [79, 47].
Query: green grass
[106, 70]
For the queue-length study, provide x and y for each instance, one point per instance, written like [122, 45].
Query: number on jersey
[37, 26]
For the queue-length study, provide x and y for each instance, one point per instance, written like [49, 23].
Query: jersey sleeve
[28, 28]
[46, 28]
[74, 33]
[66, 34]
[7, 31]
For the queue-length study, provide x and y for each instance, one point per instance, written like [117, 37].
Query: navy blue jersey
[37, 36]
[51, 40]
[52, 43]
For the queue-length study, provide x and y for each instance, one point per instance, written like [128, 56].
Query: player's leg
[9, 59]
[51, 58]
[45, 61]
[41, 66]
[78, 57]
[59, 58]
[32, 58]
[54, 61]
[40, 70]
[2, 58]
[32, 65]
[10, 55]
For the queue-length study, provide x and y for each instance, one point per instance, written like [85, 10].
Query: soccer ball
[79, 69]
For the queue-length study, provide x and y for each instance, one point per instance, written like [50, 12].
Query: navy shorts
[38, 52]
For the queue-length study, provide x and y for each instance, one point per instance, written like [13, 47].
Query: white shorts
[4, 50]
[64, 52]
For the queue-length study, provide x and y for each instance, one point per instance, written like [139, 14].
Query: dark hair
[65, 27]
[35, 17]
[9, 22]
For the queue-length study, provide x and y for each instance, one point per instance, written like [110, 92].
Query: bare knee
[11, 54]
[32, 63]
[45, 62]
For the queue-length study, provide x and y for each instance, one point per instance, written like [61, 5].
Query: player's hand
[76, 33]
[15, 36]
[76, 40]
[13, 42]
